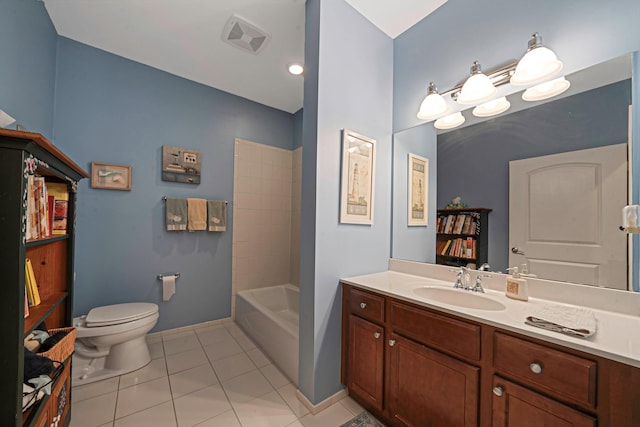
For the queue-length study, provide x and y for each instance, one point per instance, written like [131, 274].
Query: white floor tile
[213, 335]
[95, 411]
[334, 415]
[142, 396]
[352, 406]
[97, 388]
[267, 411]
[156, 350]
[201, 405]
[187, 360]
[191, 380]
[223, 349]
[246, 387]
[232, 366]
[288, 393]
[216, 378]
[258, 357]
[162, 415]
[245, 342]
[275, 377]
[181, 343]
[227, 419]
[155, 369]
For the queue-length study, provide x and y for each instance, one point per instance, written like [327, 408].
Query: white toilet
[111, 340]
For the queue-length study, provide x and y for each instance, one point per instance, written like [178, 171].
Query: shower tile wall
[262, 216]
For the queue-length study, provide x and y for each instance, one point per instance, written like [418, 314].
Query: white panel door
[564, 215]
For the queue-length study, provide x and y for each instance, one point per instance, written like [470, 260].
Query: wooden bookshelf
[462, 236]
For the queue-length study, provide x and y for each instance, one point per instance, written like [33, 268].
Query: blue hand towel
[176, 214]
[217, 215]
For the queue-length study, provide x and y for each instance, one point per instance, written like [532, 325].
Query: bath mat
[363, 420]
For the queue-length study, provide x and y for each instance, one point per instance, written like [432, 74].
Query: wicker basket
[63, 348]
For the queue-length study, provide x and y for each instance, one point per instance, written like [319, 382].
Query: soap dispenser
[516, 285]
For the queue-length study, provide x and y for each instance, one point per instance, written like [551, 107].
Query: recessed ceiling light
[296, 69]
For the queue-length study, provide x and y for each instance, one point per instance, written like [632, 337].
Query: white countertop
[617, 336]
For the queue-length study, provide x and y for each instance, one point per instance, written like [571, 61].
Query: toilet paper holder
[176, 275]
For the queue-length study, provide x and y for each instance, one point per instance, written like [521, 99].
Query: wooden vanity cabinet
[400, 367]
[414, 366]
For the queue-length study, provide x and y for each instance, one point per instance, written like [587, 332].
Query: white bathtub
[270, 317]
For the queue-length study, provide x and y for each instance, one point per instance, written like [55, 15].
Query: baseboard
[314, 409]
[189, 328]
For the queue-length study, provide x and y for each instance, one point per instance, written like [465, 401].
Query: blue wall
[110, 109]
[352, 60]
[441, 47]
[27, 68]
[473, 162]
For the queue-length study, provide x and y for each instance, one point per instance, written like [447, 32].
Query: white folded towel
[574, 321]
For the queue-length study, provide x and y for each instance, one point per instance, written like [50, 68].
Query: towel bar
[160, 276]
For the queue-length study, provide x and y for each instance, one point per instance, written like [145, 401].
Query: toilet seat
[117, 314]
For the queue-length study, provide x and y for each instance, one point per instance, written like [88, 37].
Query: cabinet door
[516, 406]
[428, 388]
[365, 364]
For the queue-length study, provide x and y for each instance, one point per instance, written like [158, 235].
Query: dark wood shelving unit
[22, 154]
[473, 242]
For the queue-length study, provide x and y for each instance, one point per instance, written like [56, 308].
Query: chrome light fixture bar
[538, 65]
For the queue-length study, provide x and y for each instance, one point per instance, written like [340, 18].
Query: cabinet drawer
[556, 372]
[445, 333]
[367, 305]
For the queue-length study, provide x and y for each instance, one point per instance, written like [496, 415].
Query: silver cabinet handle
[517, 251]
[363, 305]
[392, 343]
[535, 368]
[498, 391]
[376, 335]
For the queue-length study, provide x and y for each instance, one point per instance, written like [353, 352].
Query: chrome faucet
[478, 285]
[485, 267]
[461, 276]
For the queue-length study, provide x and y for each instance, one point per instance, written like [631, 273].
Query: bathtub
[270, 317]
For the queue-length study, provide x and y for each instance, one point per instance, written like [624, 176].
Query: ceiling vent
[244, 35]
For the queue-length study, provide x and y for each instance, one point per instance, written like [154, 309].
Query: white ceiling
[184, 38]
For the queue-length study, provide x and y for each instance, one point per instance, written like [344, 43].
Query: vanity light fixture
[546, 90]
[492, 108]
[295, 69]
[538, 64]
[477, 88]
[433, 105]
[449, 122]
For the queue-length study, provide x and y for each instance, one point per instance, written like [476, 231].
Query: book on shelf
[457, 229]
[33, 295]
[469, 247]
[60, 195]
[26, 301]
[466, 228]
[446, 247]
[450, 223]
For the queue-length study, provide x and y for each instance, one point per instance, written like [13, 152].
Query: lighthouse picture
[417, 191]
[357, 179]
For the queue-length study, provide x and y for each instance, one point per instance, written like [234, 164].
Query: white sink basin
[459, 298]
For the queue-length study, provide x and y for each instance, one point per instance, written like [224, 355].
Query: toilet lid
[119, 313]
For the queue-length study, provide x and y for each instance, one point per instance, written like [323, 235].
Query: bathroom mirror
[473, 161]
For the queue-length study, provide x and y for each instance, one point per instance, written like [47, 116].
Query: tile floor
[205, 376]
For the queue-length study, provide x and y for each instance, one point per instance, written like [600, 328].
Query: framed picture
[358, 178]
[418, 179]
[110, 177]
[180, 165]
